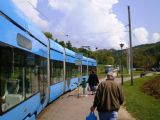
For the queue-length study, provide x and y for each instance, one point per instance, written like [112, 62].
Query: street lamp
[121, 45]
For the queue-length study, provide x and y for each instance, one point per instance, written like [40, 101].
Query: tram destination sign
[79, 56]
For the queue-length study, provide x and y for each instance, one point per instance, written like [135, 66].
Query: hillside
[144, 56]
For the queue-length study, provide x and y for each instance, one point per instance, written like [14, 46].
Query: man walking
[108, 99]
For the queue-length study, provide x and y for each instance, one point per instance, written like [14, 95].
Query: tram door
[42, 78]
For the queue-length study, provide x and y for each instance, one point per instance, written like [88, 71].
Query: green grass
[139, 104]
[125, 73]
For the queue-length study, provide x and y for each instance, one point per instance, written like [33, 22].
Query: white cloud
[141, 36]
[156, 37]
[28, 8]
[61, 5]
[34, 2]
[89, 22]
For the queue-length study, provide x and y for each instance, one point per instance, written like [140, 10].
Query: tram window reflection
[18, 76]
[56, 71]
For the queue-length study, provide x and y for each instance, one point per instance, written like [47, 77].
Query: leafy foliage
[69, 45]
[48, 35]
[62, 43]
[144, 56]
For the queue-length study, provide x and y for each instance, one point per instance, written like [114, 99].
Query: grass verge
[139, 104]
[125, 74]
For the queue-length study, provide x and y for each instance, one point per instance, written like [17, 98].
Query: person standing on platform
[108, 98]
[93, 81]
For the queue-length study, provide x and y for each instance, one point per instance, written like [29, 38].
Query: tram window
[56, 71]
[84, 70]
[90, 68]
[18, 76]
[68, 71]
[74, 71]
[71, 71]
[42, 76]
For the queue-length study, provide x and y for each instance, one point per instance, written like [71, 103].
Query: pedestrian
[108, 98]
[93, 81]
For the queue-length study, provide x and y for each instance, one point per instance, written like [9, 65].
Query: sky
[97, 23]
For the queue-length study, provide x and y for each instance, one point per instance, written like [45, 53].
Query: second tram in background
[110, 68]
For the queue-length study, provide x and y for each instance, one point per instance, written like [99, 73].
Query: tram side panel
[20, 95]
[71, 72]
[56, 71]
[56, 87]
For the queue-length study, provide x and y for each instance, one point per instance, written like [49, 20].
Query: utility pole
[48, 69]
[64, 69]
[127, 60]
[64, 66]
[87, 56]
[129, 66]
[130, 41]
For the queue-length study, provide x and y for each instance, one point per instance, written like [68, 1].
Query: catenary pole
[130, 40]
[87, 58]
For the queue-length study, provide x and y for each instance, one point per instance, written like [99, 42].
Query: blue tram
[34, 71]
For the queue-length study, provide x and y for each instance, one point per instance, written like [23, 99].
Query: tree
[75, 49]
[69, 45]
[84, 51]
[48, 35]
[110, 60]
[56, 40]
[62, 43]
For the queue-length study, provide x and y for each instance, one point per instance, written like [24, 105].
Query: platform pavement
[70, 107]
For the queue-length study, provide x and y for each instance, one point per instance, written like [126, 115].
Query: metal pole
[129, 67]
[64, 70]
[127, 59]
[130, 39]
[87, 64]
[48, 69]
[79, 79]
[121, 68]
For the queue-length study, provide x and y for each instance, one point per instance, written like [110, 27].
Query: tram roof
[54, 45]
[14, 13]
[91, 60]
[84, 58]
[70, 52]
